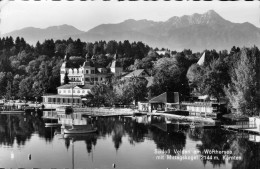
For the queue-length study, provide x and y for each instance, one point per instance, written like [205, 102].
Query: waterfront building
[204, 109]
[166, 101]
[82, 74]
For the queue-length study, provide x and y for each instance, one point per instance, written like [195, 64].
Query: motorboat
[80, 130]
[52, 125]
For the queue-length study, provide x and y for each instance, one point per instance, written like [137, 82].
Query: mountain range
[197, 32]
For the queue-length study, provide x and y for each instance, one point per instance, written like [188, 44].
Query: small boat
[137, 114]
[52, 124]
[76, 130]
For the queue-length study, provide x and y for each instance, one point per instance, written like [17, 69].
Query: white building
[81, 80]
[88, 73]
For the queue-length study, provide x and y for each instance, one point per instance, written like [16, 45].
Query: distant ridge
[197, 32]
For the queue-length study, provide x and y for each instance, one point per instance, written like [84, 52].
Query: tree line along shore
[28, 72]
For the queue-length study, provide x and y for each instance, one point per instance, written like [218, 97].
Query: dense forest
[28, 72]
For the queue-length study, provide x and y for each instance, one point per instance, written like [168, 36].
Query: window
[86, 71]
[96, 79]
[92, 71]
[69, 91]
[83, 91]
[73, 91]
[64, 91]
[78, 91]
[92, 79]
[87, 79]
[59, 91]
[101, 79]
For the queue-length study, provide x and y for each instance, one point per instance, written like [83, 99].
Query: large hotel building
[82, 77]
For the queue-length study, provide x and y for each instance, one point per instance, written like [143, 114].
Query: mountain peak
[210, 17]
[212, 12]
[213, 15]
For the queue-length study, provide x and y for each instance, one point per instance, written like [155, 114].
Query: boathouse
[165, 102]
[205, 109]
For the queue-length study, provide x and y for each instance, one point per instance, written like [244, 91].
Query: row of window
[72, 72]
[64, 100]
[69, 91]
[87, 79]
[75, 79]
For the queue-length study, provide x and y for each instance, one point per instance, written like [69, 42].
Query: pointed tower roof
[115, 56]
[66, 57]
[87, 63]
[115, 64]
[88, 56]
[202, 59]
[64, 64]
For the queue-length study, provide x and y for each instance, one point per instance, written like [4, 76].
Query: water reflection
[19, 127]
[89, 139]
[129, 133]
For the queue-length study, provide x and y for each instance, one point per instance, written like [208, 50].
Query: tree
[133, 89]
[60, 49]
[2, 83]
[244, 92]
[194, 75]
[66, 78]
[214, 79]
[167, 77]
[25, 87]
[102, 95]
[88, 48]
[48, 48]
[111, 47]
[8, 90]
[15, 86]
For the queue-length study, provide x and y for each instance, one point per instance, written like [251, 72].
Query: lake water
[128, 142]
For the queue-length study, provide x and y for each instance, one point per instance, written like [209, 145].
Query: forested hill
[28, 72]
[196, 32]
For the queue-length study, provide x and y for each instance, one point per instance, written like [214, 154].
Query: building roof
[150, 81]
[62, 96]
[166, 97]
[66, 86]
[86, 86]
[136, 73]
[115, 64]
[161, 52]
[202, 59]
[70, 86]
[88, 63]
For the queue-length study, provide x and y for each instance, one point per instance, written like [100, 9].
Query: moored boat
[52, 124]
[76, 130]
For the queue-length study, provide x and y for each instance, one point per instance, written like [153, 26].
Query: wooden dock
[238, 128]
[12, 112]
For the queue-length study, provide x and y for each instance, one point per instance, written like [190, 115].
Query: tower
[116, 66]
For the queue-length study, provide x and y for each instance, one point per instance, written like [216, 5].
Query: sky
[86, 15]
